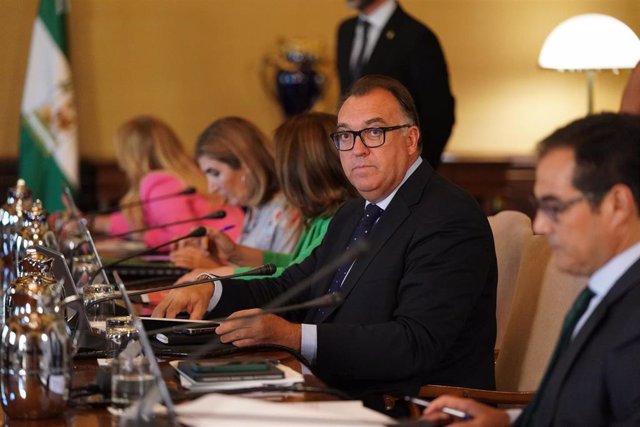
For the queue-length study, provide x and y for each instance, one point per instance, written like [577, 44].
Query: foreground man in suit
[588, 192]
[418, 307]
[401, 47]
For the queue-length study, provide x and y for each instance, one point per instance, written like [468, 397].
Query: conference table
[92, 409]
[91, 412]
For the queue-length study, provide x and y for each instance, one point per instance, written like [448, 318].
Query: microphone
[198, 232]
[277, 305]
[351, 254]
[185, 192]
[328, 300]
[212, 215]
[358, 248]
[142, 409]
[263, 270]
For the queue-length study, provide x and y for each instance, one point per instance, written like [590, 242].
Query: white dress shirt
[377, 20]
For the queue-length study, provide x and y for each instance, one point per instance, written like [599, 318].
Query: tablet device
[152, 324]
[230, 370]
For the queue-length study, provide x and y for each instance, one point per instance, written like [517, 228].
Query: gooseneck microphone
[198, 232]
[277, 306]
[213, 215]
[263, 270]
[142, 410]
[328, 300]
[358, 248]
[184, 192]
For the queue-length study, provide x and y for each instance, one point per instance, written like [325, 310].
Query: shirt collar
[385, 202]
[606, 276]
[379, 17]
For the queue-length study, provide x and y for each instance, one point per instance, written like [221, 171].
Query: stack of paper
[220, 410]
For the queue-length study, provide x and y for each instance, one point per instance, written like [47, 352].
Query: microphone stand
[198, 232]
[358, 248]
[161, 386]
[351, 254]
[335, 298]
[214, 215]
[185, 192]
[264, 270]
[84, 230]
[325, 300]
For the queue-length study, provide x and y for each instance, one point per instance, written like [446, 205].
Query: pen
[449, 411]
[227, 227]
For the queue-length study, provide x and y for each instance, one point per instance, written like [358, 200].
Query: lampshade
[590, 42]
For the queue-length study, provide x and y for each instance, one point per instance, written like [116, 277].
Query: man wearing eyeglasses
[588, 194]
[419, 306]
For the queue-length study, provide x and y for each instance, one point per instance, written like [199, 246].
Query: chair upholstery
[542, 296]
[539, 309]
[510, 229]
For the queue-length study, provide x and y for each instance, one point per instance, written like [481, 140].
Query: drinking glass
[82, 269]
[98, 312]
[131, 376]
[119, 332]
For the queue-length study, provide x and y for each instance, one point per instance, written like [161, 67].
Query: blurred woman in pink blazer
[156, 164]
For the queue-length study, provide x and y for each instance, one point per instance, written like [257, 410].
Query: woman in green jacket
[311, 177]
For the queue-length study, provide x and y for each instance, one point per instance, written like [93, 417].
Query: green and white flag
[48, 144]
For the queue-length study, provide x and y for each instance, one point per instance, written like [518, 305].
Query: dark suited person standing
[399, 46]
[418, 307]
[588, 192]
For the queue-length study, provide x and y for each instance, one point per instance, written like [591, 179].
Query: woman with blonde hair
[156, 165]
[237, 159]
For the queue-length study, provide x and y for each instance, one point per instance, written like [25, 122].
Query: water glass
[120, 331]
[82, 269]
[98, 312]
[131, 377]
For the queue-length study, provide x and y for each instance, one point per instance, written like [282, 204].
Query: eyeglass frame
[358, 133]
[561, 206]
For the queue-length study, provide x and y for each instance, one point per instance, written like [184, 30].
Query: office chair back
[511, 230]
[542, 298]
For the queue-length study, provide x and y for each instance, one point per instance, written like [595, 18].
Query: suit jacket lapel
[386, 41]
[395, 214]
[546, 410]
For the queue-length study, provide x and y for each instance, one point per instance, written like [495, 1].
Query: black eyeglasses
[345, 140]
[553, 208]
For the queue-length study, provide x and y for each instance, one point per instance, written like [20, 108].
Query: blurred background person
[309, 171]
[156, 164]
[237, 159]
[384, 39]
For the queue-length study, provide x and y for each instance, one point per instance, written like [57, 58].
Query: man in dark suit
[403, 48]
[418, 307]
[588, 192]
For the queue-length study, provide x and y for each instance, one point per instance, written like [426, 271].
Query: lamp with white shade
[589, 43]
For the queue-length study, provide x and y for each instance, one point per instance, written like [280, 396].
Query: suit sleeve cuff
[309, 344]
[513, 414]
[217, 294]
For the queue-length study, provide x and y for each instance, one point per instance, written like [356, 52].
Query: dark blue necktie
[573, 316]
[371, 215]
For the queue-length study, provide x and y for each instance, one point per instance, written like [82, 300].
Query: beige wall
[191, 61]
